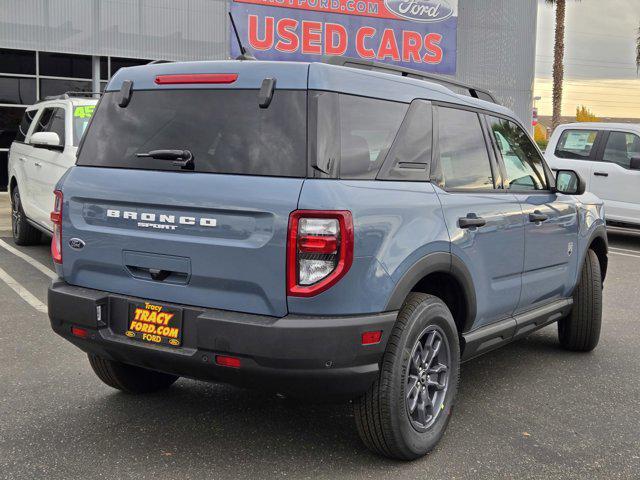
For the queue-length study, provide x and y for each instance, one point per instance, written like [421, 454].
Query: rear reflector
[226, 361]
[371, 338]
[56, 219]
[79, 332]
[196, 78]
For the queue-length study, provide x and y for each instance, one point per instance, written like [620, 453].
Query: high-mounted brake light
[56, 218]
[319, 250]
[196, 78]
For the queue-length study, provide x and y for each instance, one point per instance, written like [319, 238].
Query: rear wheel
[128, 378]
[406, 411]
[580, 330]
[23, 232]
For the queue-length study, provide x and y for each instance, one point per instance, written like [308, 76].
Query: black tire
[23, 232]
[383, 416]
[128, 378]
[580, 330]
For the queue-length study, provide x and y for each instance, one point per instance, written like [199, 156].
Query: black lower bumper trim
[295, 355]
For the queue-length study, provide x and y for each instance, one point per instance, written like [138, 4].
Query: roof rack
[67, 95]
[460, 87]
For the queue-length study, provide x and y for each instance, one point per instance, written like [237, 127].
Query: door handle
[37, 164]
[601, 174]
[537, 216]
[471, 221]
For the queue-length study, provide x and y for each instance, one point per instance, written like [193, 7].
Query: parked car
[318, 231]
[607, 156]
[44, 149]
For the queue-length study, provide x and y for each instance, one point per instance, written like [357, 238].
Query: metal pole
[95, 74]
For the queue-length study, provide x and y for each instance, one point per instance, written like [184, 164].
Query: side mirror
[45, 139]
[635, 163]
[569, 183]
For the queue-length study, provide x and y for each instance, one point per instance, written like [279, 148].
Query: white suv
[607, 156]
[43, 150]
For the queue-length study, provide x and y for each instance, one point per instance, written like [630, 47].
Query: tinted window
[523, 163]
[23, 128]
[410, 155]
[64, 65]
[226, 131]
[464, 159]
[21, 91]
[576, 144]
[50, 87]
[621, 148]
[17, 61]
[9, 121]
[353, 134]
[52, 120]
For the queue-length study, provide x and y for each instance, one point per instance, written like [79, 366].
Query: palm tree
[638, 51]
[558, 60]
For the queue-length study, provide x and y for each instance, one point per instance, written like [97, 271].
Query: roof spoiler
[410, 73]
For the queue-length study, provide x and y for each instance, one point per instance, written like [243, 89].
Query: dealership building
[48, 47]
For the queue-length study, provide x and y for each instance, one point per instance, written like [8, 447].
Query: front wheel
[406, 411]
[23, 232]
[580, 330]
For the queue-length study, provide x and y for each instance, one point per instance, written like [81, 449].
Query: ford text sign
[420, 10]
[418, 34]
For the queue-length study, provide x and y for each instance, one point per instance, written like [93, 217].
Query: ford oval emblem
[76, 243]
[420, 10]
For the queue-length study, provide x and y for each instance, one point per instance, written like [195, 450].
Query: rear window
[225, 130]
[576, 144]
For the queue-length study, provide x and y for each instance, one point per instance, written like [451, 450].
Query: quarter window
[576, 144]
[523, 163]
[621, 148]
[464, 160]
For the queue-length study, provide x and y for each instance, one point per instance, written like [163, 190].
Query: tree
[558, 60]
[638, 51]
[583, 114]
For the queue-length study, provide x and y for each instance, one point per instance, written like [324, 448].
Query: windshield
[81, 116]
[225, 130]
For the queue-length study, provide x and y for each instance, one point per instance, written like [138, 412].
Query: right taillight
[56, 218]
[320, 250]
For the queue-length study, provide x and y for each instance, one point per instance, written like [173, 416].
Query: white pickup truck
[607, 156]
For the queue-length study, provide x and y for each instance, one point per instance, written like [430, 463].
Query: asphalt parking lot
[529, 410]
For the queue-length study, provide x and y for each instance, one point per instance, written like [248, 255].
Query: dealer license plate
[153, 323]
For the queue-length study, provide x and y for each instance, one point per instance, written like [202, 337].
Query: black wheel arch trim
[437, 262]
[600, 232]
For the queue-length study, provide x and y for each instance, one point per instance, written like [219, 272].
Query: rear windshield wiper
[180, 158]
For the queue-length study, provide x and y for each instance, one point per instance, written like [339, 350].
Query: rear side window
[576, 144]
[522, 161]
[621, 148]
[353, 134]
[225, 130]
[464, 159]
[25, 123]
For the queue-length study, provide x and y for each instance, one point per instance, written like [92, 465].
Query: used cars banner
[419, 34]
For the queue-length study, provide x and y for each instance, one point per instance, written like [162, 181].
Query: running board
[495, 335]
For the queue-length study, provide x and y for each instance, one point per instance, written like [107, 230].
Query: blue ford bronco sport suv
[316, 230]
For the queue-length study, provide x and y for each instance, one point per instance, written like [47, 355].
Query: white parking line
[34, 263]
[618, 249]
[25, 294]
[624, 254]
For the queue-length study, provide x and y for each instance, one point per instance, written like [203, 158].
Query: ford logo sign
[76, 243]
[420, 10]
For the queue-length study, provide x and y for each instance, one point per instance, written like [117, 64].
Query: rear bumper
[294, 355]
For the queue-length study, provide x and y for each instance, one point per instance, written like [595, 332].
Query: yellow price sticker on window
[84, 111]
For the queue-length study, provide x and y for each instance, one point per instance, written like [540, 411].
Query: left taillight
[319, 250]
[56, 218]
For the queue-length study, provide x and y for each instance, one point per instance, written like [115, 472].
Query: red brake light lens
[319, 250]
[56, 218]
[79, 332]
[196, 78]
[227, 361]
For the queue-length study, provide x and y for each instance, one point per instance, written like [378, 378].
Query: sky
[600, 68]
